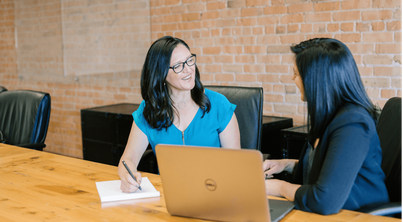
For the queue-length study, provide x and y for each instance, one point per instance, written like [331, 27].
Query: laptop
[216, 184]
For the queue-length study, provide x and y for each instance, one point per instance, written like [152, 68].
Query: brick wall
[238, 42]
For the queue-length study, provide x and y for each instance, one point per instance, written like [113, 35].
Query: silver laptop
[216, 184]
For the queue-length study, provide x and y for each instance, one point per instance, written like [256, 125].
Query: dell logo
[210, 184]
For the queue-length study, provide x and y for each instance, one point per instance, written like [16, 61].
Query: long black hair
[158, 110]
[330, 78]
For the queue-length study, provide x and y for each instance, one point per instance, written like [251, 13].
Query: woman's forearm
[288, 190]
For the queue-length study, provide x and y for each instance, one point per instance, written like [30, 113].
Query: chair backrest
[249, 112]
[24, 116]
[389, 130]
[3, 89]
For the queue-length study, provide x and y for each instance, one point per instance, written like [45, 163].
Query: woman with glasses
[176, 108]
[340, 167]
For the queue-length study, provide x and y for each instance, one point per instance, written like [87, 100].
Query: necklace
[182, 104]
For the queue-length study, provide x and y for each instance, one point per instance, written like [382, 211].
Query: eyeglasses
[177, 68]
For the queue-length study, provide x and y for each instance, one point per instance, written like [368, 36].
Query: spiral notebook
[110, 191]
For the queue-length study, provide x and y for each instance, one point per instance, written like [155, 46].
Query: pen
[130, 172]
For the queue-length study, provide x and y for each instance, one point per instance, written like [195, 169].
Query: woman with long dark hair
[176, 109]
[340, 167]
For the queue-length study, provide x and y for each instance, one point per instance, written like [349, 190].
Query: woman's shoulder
[351, 113]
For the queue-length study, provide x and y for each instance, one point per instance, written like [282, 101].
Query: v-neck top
[202, 131]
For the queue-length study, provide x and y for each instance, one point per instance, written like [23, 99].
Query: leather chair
[389, 130]
[249, 112]
[2, 89]
[24, 118]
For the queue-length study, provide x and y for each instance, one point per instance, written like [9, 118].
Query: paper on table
[110, 191]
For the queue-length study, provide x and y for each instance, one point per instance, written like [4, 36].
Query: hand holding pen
[130, 172]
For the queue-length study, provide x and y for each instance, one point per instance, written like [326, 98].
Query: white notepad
[110, 191]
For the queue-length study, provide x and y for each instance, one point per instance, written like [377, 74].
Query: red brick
[224, 77]
[377, 37]
[245, 40]
[254, 68]
[319, 17]
[233, 49]
[271, 20]
[215, 5]
[257, 31]
[294, 18]
[378, 26]
[357, 48]
[212, 68]
[223, 59]
[333, 27]
[296, 8]
[244, 58]
[254, 49]
[291, 39]
[377, 59]
[256, 2]
[236, 3]
[362, 27]
[347, 27]
[376, 15]
[191, 16]
[305, 28]
[224, 23]
[224, 41]
[293, 28]
[394, 25]
[247, 12]
[386, 3]
[245, 78]
[276, 68]
[280, 29]
[275, 10]
[355, 4]
[349, 37]
[212, 50]
[268, 59]
[233, 68]
[197, 7]
[267, 39]
[347, 16]
[246, 22]
[319, 28]
[278, 49]
[388, 71]
[326, 6]
[210, 15]
[389, 48]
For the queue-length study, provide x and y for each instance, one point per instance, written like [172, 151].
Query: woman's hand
[280, 188]
[128, 185]
[273, 187]
[271, 167]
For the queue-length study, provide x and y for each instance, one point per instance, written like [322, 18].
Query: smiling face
[298, 81]
[185, 80]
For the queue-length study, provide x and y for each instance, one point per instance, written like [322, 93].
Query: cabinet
[272, 137]
[105, 131]
[294, 140]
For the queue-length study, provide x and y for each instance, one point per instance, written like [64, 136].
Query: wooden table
[41, 186]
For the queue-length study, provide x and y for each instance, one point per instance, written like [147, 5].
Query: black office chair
[389, 130]
[249, 112]
[24, 118]
[2, 89]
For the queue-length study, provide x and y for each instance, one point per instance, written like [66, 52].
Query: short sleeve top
[202, 131]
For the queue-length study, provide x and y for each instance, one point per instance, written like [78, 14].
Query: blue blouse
[202, 131]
